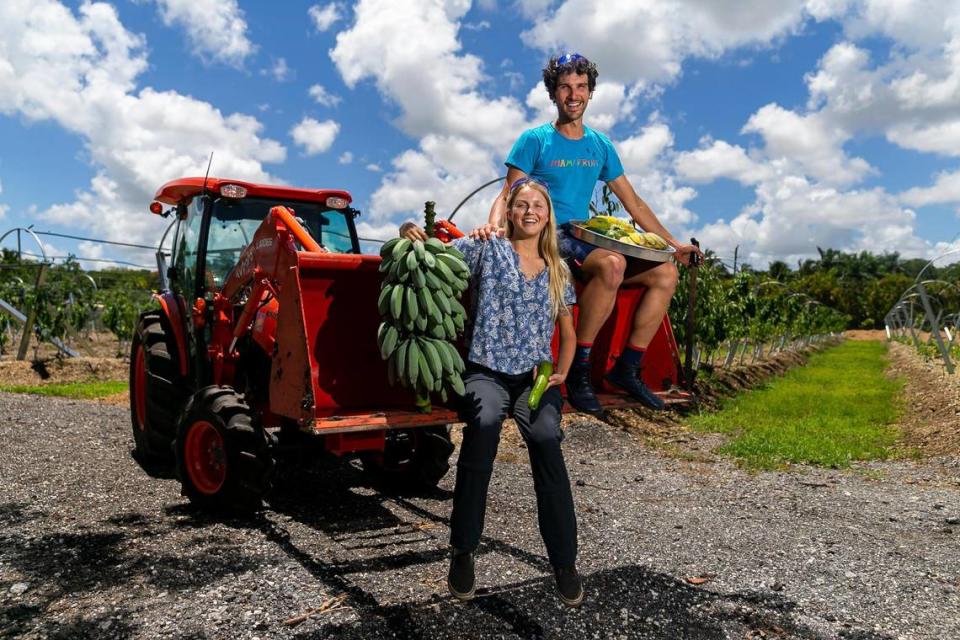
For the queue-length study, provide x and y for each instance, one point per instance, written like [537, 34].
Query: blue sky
[773, 126]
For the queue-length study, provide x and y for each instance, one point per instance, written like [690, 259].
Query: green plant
[604, 202]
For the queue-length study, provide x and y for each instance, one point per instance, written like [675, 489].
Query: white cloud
[324, 97]
[809, 141]
[216, 29]
[913, 98]
[917, 24]
[639, 152]
[80, 72]
[315, 137]
[647, 41]
[719, 159]
[946, 189]
[828, 9]
[94, 252]
[374, 167]
[793, 216]
[667, 199]
[383, 231]
[279, 71]
[516, 80]
[444, 169]
[324, 17]
[345, 158]
[939, 137]
[533, 8]
[388, 44]
[476, 26]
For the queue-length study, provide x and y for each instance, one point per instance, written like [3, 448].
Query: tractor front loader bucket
[327, 362]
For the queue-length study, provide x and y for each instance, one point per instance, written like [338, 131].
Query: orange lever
[446, 231]
[290, 222]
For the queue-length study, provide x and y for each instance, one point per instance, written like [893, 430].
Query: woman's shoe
[460, 579]
[569, 585]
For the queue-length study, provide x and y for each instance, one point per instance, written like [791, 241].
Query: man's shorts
[572, 250]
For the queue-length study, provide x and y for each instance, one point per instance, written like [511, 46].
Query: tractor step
[399, 419]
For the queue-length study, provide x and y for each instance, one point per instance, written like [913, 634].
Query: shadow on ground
[336, 501]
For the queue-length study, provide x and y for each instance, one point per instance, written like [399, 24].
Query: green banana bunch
[420, 306]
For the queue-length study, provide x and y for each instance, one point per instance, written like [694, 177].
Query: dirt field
[932, 421]
[89, 344]
[865, 334]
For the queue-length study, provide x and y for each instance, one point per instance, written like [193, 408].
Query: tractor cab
[217, 218]
[216, 221]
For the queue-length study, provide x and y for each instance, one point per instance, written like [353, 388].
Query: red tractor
[265, 336]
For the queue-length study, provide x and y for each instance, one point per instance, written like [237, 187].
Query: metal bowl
[632, 250]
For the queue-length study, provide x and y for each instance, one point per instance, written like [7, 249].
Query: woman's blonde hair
[557, 269]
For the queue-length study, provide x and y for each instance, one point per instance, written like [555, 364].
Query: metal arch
[949, 284]
[926, 266]
[43, 251]
[904, 297]
[163, 238]
[92, 281]
[898, 314]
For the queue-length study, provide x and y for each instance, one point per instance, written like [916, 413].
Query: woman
[521, 289]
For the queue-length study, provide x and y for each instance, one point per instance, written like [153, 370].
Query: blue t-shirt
[569, 168]
[513, 322]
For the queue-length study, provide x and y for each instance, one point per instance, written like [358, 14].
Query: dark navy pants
[489, 397]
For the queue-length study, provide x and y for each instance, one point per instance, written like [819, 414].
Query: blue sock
[632, 357]
[581, 357]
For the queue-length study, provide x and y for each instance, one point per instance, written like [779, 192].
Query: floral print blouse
[512, 320]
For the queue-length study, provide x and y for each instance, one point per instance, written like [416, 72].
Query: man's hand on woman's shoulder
[487, 232]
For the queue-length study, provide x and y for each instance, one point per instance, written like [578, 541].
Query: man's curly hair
[581, 66]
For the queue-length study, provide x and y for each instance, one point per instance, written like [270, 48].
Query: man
[569, 158]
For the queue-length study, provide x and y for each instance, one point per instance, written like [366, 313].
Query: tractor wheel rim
[140, 388]
[205, 457]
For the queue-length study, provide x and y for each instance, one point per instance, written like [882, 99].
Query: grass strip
[80, 390]
[837, 408]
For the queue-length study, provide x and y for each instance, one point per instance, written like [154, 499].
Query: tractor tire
[412, 460]
[224, 461]
[157, 395]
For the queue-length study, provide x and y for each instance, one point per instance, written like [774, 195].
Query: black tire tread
[249, 460]
[165, 393]
[429, 463]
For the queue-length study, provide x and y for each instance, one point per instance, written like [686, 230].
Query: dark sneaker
[630, 382]
[580, 393]
[460, 580]
[569, 586]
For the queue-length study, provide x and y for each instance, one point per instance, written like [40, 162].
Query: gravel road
[671, 546]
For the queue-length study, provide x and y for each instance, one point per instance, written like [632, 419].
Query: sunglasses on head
[567, 58]
[527, 180]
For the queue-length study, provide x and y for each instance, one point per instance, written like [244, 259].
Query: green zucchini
[544, 371]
